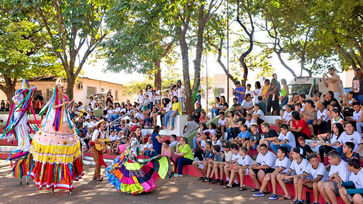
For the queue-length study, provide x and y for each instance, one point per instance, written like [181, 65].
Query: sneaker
[178, 175]
[273, 197]
[201, 178]
[214, 181]
[258, 194]
[206, 179]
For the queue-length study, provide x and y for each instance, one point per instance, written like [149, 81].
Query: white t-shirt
[290, 138]
[299, 168]
[356, 116]
[157, 95]
[333, 138]
[286, 116]
[113, 138]
[93, 102]
[151, 95]
[341, 169]
[222, 122]
[148, 145]
[320, 171]
[355, 138]
[357, 179]
[180, 91]
[235, 157]
[174, 93]
[258, 93]
[259, 112]
[97, 134]
[247, 104]
[245, 161]
[228, 156]
[267, 159]
[250, 123]
[168, 107]
[285, 163]
[140, 98]
[322, 115]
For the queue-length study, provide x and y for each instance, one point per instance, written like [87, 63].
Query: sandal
[100, 179]
[254, 190]
[225, 187]
[284, 198]
[242, 188]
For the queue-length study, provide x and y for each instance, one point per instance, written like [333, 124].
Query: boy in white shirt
[349, 135]
[265, 163]
[230, 165]
[313, 173]
[140, 98]
[244, 162]
[338, 173]
[286, 138]
[296, 170]
[352, 190]
[247, 104]
[249, 120]
[285, 117]
[257, 114]
[282, 165]
[357, 117]
[222, 122]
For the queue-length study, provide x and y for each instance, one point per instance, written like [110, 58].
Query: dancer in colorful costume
[56, 146]
[19, 126]
[132, 175]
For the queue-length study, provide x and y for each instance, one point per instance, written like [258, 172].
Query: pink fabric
[122, 148]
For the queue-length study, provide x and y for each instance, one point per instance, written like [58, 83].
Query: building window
[116, 94]
[91, 91]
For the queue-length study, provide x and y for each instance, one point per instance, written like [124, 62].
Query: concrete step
[87, 160]
[7, 148]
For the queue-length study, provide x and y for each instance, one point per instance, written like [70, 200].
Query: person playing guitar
[98, 135]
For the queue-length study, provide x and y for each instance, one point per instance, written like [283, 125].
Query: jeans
[215, 112]
[359, 98]
[114, 116]
[151, 104]
[168, 115]
[147, 121]
[180, 99]
[275, 147]
[181, 162]
[195, 143]
[284, 101]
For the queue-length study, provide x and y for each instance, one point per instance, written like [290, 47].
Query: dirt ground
[175, 190]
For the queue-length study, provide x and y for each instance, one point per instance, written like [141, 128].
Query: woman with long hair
[299, 127]
[132, 175]
[357, 85]
[328, 141]
[257, 92]
[175, 110]
[284, 97]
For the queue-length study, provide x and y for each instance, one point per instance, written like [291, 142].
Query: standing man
[239, 92]
[332, 82]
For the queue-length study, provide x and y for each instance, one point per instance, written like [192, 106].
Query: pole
[206, 74]
[227, 52]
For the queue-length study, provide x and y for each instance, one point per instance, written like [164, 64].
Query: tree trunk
[189, 103]
[157, 78]
[70, 86]
[245, 70]
[9, 88]
[284, 64]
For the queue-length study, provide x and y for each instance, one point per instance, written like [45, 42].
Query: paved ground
[175, 190]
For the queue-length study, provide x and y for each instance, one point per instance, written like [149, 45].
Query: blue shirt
[242, 135]
[156, 143]
[238, 95]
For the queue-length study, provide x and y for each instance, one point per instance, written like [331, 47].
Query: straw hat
[100, 122]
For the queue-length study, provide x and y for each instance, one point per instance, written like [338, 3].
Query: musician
[99, 133]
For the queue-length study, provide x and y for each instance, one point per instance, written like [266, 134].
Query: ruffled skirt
[57, 158]
[20, 163]
[138, 177]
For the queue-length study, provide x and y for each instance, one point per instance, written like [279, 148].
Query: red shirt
[302, 124]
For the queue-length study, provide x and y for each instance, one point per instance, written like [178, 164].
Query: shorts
[266, 171]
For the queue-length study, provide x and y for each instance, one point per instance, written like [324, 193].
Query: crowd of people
[4, 106]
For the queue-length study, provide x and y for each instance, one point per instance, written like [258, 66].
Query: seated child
[243, 135]
[269, 135]
[352, 190]
[301, 143]
[282, 165]
[286, 138]
[148, 147]
[254, 138]
[338, 173]
[222, 123]
[243, 164]
[230, 165]
[226, 157]
[216, 140]
[202, 165]
[173, 140]
[294, 173]
[348, 151]
[217, 159]
[265, 163]
[313, 173]
[113, 141]
[249, 120]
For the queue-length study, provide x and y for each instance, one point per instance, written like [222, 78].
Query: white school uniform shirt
[222, 122]
[250, 123]
[333, 138]
[247, 104]
[356, 116]
[113, 138]
[148, 145]
[285, 163]
[286, 116]
[255, 96]
[168, 107]
[140, 98]
[235, 157]
[228, 156]
[357, 179]
[262, 116]
[322, 115]
[290, 138]
[320, 171]
[355, 138]
[341, 169]
[174, 93]
[157, 95]
[268, 159]
[245, 161]
[180, 92]
[151, 96]
[299, 168]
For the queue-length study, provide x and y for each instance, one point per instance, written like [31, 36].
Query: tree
[75, 30]
[23, 52]
[140, 41]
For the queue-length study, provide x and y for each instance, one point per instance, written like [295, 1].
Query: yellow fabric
[163, 167]
[55, 153]
[132, 166]
[132, 188]
[264, 91]
[177, 106]
[188, 153]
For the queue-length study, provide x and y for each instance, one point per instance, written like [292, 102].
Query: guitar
[99, 147]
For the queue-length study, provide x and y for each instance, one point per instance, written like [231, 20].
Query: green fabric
[283, 92]
[188, 153]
